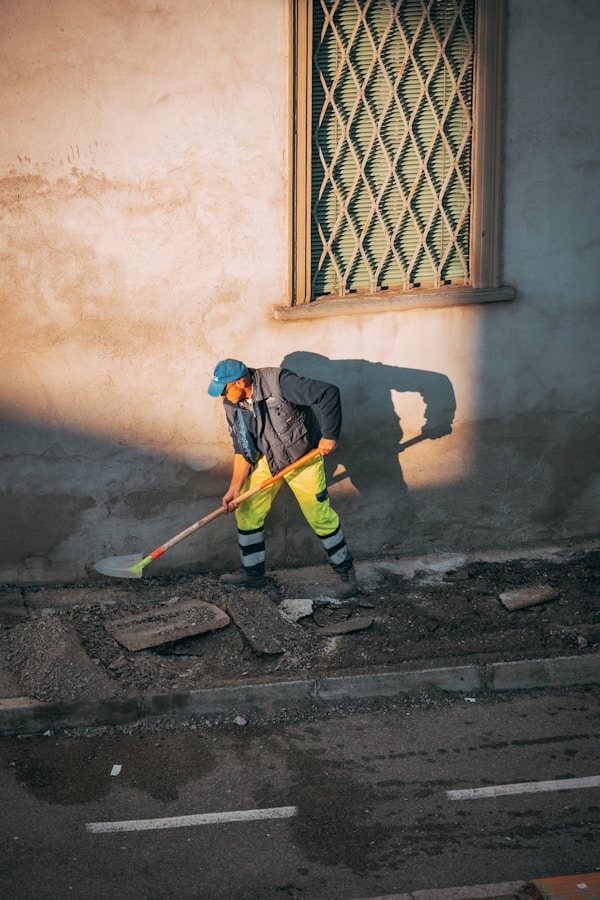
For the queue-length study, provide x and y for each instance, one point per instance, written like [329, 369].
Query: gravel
[57, 643]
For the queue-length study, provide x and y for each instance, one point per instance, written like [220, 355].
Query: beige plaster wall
[144, 196]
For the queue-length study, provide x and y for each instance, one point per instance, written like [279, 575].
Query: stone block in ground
[530, 595]
[166, 623]
[260, 622]
[47, 661]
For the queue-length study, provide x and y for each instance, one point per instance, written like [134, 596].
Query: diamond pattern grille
[391, 144]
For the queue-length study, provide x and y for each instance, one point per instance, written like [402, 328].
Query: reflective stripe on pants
[252, 549]
[337, 550]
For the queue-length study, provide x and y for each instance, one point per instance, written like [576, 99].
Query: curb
[21, 715]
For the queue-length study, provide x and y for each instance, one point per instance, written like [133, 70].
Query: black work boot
[347, 586]
[243, 579]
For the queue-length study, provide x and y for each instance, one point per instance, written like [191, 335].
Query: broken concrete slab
[357, 623]
[530, 595]
[296, 608]
[330, 616]
[260, 622]
[162, 625]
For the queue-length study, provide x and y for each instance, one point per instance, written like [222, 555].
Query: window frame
[484, 244]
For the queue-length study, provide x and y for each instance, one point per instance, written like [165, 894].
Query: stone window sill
[354, 305]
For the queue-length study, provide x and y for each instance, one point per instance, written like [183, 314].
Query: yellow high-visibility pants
[309, 486]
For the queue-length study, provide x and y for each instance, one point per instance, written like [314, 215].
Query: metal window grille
[392, 86]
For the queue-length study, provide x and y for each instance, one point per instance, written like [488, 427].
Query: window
[395, 154]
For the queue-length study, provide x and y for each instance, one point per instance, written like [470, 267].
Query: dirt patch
[428, 617]
[49, 663]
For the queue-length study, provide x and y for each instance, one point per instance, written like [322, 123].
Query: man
[272, 424]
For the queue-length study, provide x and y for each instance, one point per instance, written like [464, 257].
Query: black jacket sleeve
[321, 395]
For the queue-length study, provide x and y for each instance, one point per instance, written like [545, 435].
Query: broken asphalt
[476, 620]
[301, 594]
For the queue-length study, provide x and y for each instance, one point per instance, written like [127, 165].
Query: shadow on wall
[68, 499]
[371, 443]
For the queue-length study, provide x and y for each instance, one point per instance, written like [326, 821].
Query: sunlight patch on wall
[121, 405]
[433, 449]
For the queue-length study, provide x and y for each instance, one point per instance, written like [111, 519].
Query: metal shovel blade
[119, 566]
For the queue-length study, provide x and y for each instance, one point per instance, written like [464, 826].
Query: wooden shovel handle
[221, 510]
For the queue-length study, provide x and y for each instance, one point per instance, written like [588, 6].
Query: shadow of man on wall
[370, 449]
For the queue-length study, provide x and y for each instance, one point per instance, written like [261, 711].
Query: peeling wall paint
[144, 200]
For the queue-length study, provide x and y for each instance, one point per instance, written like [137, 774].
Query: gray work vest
[271, 425]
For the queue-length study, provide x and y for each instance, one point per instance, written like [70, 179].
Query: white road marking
[240, 815]
[525, 787]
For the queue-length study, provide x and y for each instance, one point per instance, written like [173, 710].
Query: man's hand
[241, 470]
[229, 499]
[327, 446]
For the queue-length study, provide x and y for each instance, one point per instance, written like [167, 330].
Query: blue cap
[226, 371]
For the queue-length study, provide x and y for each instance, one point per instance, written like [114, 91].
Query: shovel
[133, 566]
